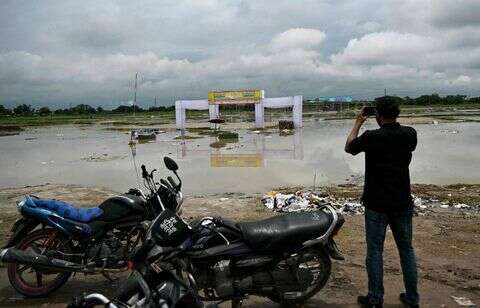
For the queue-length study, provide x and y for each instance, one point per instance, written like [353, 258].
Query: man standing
[386, 196]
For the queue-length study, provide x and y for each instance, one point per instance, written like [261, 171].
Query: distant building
[331, 99]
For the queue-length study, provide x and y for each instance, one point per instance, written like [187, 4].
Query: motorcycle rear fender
[19, 230]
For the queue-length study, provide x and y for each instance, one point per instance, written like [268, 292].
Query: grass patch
[187, 137]
[226, 135]
[218, 145]
[10, 128]
[5, 134]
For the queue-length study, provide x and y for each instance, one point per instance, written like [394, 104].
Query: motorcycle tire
[324, 261]
[15, 270]
[128, 289]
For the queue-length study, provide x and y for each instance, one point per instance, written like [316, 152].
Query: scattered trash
[285, 124]
[308, 201]
[450, 131]
[435, 122]
[463, 301]
[143, 134]
[223, 199]
[96, 157]
[303, 201]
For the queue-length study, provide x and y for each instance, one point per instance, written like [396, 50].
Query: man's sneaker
[364, 301]
[403, 299]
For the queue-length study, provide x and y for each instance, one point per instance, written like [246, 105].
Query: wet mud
[447, 243]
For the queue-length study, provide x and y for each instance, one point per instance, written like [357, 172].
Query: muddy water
[253, 163]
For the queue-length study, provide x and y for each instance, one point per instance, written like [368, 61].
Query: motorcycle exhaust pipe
[13, 255]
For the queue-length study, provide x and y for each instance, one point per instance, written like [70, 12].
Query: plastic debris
[304, 201]
[308, 201]
[102, 157]
[463, 301]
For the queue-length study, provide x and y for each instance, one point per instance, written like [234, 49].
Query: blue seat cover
[67, 210]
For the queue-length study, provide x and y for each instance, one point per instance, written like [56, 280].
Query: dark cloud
[61, 52]
[456, 13]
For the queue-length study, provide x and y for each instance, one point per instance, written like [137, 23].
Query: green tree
[4, 111]
[83, 109]
[454, 99]
[100, 109]
[44, 111]
[23, 110]
[408, 100]
[475, 100]
[126, 109]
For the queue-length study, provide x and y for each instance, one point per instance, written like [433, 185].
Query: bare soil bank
[447, 244]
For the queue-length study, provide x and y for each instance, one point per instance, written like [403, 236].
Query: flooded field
[233, 160]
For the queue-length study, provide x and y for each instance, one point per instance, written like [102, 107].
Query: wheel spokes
[22, 269]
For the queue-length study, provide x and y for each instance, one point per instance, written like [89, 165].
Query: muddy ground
[447, 244]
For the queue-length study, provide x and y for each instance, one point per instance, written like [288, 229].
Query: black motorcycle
[284, 258]
[54, 239]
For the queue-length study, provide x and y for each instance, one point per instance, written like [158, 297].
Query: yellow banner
[236, 160]
[234, 97]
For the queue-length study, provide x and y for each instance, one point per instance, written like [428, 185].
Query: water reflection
[446, 153]
[252, 151]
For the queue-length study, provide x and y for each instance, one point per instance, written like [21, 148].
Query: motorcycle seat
[284, 232]
[67, 210]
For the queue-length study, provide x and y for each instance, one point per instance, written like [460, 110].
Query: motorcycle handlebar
[172, 182]
[166, 184]
[144, 172]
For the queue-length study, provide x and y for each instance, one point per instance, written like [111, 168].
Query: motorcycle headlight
[21, 203]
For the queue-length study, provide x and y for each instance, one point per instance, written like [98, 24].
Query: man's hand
[359, 120]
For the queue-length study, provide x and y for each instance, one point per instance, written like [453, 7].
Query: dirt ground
[447, 244]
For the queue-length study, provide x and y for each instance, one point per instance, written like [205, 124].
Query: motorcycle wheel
[127, 290]
[321, 266]
[33, 282]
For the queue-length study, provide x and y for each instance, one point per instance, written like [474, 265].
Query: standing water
[251, 162]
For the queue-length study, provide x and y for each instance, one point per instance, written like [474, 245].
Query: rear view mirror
[170, 164]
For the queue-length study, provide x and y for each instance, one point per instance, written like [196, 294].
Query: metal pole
[135, 95]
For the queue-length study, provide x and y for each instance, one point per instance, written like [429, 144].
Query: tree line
[81, 109]
[435, 99]
[84, 109]
[432, 99]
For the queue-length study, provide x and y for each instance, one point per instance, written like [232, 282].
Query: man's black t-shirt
[388, 152]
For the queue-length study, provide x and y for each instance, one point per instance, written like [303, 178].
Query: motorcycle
[285, 258]
[54, 239]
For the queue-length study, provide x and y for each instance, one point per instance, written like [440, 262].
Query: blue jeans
[375, 228]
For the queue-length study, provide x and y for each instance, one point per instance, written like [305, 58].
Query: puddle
[240, 160]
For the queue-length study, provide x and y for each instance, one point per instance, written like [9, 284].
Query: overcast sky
[60, 52]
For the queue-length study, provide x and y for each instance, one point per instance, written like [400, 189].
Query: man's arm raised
[359, 120]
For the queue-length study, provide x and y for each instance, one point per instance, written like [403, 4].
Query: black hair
[388, 106]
